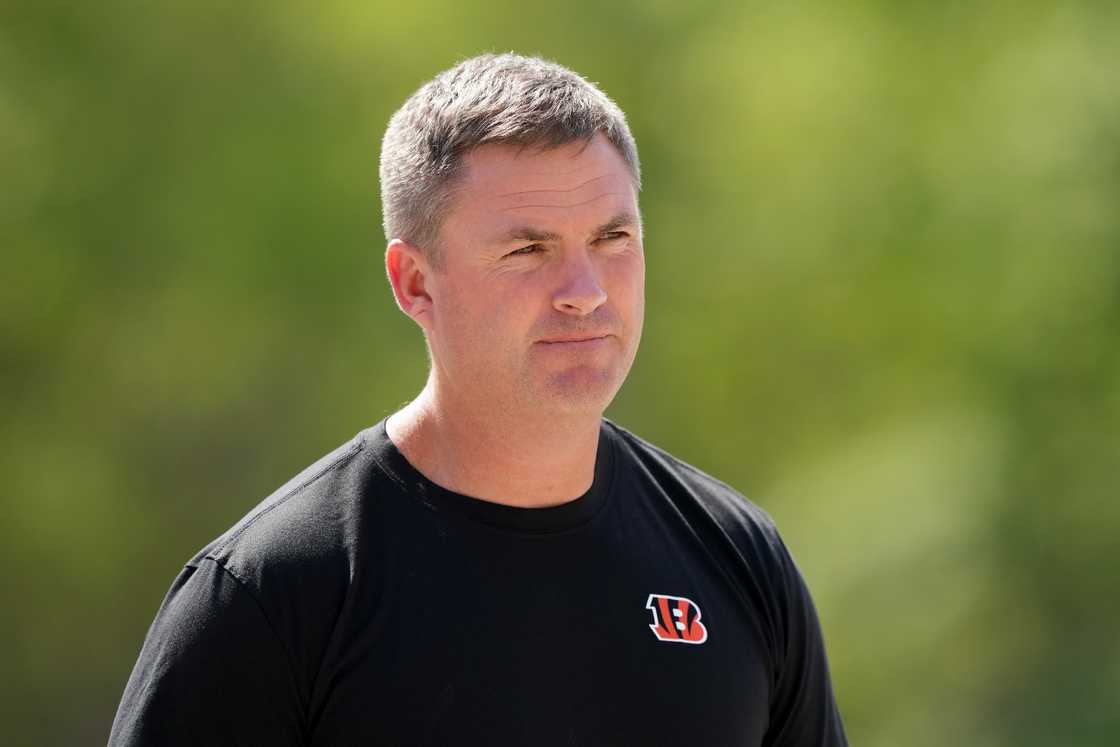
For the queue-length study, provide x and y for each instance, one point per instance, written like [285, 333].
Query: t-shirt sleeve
[211, 671]
[803, 711]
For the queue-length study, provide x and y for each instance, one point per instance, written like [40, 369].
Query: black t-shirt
[362, 604]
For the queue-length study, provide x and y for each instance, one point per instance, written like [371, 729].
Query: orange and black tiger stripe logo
[676, 619]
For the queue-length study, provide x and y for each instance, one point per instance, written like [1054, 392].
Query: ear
[410, 275]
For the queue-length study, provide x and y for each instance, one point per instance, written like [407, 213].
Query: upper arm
[803, 708]
[211, 671]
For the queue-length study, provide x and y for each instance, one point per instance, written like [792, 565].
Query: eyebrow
[529, 233]
[620, 220]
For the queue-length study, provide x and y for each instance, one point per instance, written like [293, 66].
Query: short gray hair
[491, 98]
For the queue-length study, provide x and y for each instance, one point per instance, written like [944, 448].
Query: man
[495, 564]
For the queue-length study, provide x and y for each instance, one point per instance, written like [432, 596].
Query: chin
[580, 391]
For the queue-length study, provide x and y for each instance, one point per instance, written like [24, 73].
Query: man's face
[537, 307]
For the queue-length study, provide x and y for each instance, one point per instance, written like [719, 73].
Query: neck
[531, 462]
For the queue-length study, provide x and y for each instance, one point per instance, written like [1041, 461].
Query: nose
[580, 291]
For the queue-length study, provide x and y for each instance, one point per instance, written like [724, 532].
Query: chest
[611, 637]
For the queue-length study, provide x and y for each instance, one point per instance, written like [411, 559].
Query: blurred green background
[883, 246]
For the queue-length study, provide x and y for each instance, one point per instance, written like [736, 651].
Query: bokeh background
[883, 245]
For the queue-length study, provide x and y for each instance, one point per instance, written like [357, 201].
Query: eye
[526, 250]
[614, 236]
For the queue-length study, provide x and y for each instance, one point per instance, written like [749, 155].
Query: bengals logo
[676, 619]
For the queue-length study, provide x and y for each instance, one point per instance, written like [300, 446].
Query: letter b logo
[676, 619]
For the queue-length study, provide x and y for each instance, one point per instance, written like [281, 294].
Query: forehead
[511, 184]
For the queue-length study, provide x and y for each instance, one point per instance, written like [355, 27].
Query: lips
[580, 338]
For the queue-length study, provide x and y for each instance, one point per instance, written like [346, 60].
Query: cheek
[481, 322]
[455, 326]
[628, 284]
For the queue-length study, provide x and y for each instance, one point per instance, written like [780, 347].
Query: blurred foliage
[883, 300]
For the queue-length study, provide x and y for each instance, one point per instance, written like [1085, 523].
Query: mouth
[574, 340]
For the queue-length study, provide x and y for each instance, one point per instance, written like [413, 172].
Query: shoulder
[733, 530]
[286, 570]
[684, 482]
[305, 527]
[245, 623]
